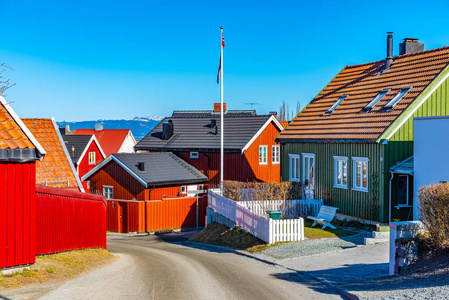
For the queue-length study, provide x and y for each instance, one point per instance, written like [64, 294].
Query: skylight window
[396, 98]
[376, 99]
[333, 107]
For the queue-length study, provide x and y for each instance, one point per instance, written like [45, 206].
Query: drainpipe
[389, 199]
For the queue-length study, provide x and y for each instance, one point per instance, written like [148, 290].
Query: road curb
[246, 254]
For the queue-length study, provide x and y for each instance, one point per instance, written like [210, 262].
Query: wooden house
[250, 152]
[144, 176]
[56, 169]
[85, 152]
[351, 143]
[19, 151]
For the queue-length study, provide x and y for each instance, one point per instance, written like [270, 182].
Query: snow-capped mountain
[140, 126]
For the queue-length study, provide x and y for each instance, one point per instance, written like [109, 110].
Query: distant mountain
[140, 126]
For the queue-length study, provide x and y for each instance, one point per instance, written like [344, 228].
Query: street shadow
[181, 238]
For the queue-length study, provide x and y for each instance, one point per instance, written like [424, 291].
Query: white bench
[325, 216]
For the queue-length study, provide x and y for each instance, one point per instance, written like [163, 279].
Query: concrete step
[372, 241]
[377, 237]
[381, 235]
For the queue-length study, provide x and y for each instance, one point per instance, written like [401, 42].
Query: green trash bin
[274, 214]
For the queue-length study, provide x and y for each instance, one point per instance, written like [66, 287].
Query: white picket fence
[268, 230]
[290, 208]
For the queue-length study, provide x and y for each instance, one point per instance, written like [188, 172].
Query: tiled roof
[110, 139]
[211, 113]
[197, 134]
[11, 135]
[161, 168]
[54, 170]
[362, 83]
[76, 144]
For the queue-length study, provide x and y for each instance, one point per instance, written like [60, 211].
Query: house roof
[403, 167]
[110, 139]
[362, 83]
[17, 143]
[211, 113]
[79, 144]
[196, 133]
[161, 168]
[55, 169]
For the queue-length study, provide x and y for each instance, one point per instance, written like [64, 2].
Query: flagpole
[221, 116]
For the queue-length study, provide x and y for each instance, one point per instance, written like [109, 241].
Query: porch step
[377, 237]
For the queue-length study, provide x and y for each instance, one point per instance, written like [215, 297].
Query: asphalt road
[162, 267]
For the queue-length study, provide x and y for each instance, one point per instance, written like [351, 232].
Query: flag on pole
[219, 65]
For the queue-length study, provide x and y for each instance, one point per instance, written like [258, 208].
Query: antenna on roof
[252, 104]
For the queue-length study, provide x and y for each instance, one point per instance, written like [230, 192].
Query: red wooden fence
[141, 216]
[69, 220]
[17, 213]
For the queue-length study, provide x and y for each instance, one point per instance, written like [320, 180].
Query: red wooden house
[19, 151]
[250, 150]
[56, 168]
[143, 176]
[85, 152]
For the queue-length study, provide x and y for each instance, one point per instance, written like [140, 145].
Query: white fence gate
[268, 230]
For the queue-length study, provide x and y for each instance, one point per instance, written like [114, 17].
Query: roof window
[333, 107]
[396, 98]
[375, 100]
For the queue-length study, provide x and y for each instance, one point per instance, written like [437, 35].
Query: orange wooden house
[250, 150]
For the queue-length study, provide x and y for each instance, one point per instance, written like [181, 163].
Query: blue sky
[86, 60]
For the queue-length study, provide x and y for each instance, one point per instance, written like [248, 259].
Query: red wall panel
[84, 166]
[68, 220]
[17, 216]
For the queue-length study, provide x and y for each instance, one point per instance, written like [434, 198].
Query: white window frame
[183, 189]
[91, 158]
[108, 192]
[338, 163]
[293, 168]
[275, 154]
[194, 155]
[263, 160]
[362, 160]
[407, 204]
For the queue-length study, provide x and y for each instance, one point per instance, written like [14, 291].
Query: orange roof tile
[110, 139]
[362, 83]
[11, 135]
[54, 170]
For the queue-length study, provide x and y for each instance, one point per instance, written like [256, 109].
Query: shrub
[239, 191]
[434, 212]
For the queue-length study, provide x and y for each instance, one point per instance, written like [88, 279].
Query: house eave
[348, 141]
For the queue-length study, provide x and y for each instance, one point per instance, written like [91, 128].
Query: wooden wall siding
[140, 216]
[350, 202]
[84, 166]
[17, 214]
[125, 186]
[68, 220]
[166, 192]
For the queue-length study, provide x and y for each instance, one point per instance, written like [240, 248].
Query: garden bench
[325, 216]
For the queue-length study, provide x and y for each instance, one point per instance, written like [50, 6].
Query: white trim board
[93, 138]
[22, 126]
[259, 132]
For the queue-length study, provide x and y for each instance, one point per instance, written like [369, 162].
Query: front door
[308, 175]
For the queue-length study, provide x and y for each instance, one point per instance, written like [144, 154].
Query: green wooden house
[352, 145]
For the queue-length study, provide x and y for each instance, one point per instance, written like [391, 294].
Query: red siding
[84, 166]
[17, 214]
[69, 220]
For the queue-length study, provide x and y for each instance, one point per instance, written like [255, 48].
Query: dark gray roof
[79, 142]
[196, 134]
[211, 113]
[162, 168]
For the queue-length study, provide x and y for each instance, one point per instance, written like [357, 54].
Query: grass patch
[313, 233]
[57, 267]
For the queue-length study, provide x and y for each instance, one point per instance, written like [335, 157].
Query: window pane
[345, 172]
[358, 176]
[365, 174]
[402, 190]
[339, 172]
[311, 172]
[297, 168]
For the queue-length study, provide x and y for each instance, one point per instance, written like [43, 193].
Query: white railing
[289, 208]
[268, 230]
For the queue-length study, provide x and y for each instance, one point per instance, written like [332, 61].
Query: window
[200, 187]
[88, 184]
[183, 189]
[375, 100]
[194, 155]
[108, 192]
[262, 155]
[403, 190]
[396, 98]
[333, 107]
[360, 173]
[293, 167]
[91, 158]
[275, 154]
[341, 172]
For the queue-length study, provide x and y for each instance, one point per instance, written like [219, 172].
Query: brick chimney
[217, 106]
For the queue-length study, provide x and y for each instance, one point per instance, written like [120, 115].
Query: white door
[308, 175]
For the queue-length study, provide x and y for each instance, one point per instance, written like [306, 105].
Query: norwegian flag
[219, 65]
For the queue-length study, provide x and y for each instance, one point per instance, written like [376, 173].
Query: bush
[434, 212]
[239, 191]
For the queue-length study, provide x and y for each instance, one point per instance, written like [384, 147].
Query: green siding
[350, 202]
